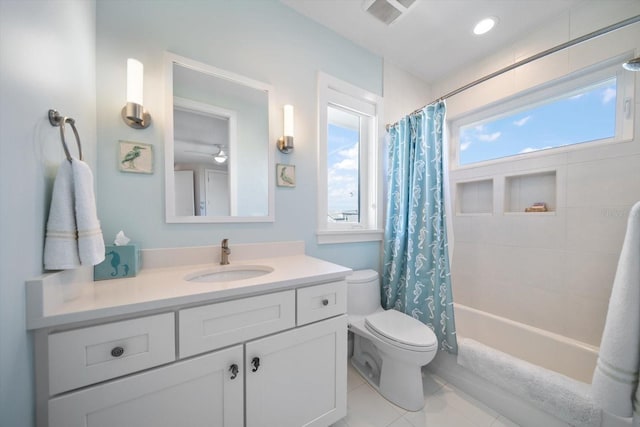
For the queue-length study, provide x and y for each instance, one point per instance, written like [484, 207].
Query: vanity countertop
[51, 301]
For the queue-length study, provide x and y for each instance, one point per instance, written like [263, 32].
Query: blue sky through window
[343, 166]
[583, 116]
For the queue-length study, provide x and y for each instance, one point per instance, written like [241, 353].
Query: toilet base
[395, 372]
[397, 381]
[401, 384]
[403, 390]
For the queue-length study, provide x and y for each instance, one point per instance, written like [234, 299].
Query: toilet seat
[401, 330]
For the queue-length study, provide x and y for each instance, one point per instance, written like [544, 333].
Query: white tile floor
[445, 406]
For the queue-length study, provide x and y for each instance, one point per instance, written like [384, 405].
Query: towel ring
[57, 120]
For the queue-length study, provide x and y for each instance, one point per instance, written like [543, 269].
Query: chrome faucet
[224, 252]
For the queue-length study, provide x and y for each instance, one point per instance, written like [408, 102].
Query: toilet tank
[363, 292]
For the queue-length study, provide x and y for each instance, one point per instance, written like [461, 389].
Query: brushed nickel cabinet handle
[117, 351]
[234, 371]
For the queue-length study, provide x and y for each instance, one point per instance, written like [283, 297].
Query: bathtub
[558, 353]
[553, 352]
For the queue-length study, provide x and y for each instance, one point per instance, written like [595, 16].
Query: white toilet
[389, 347]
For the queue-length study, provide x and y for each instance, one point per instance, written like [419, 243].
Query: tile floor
[445, 406]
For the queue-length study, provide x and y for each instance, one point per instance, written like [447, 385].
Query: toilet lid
[362, 276]
[401, 329]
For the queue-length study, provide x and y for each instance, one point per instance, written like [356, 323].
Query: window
[349, 181]
[592, 107]
[343, 164]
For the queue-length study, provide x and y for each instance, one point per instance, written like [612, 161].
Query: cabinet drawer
[97, 353]
[219, 325]
[321, 301]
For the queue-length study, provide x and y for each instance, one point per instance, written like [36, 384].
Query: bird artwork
[131, 156]
[285, 178]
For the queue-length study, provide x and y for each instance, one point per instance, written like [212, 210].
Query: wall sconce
[285, 144]
[133, 112]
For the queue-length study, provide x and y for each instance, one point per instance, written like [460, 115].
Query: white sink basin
[228, 273]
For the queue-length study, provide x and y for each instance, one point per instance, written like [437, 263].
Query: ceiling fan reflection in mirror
[219, 157]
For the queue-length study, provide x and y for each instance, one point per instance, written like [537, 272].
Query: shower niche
[518, 194]
[522, 192]
[474, 197]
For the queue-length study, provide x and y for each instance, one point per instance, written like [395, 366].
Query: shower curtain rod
[542, 54]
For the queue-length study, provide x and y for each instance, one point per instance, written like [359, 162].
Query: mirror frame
[169, 190]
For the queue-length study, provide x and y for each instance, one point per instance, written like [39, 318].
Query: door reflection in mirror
[203, 135]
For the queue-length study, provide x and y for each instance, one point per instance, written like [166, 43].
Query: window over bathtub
[348, 154]
[586, 108]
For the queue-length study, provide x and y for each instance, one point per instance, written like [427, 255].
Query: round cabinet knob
[117, 351]
[255, 362]
[234, 371]
[325, 302]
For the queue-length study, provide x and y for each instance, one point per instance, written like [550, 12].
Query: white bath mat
[557, 394]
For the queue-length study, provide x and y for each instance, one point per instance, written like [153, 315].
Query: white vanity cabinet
[298, 378]
[276, 359]
[196, 392]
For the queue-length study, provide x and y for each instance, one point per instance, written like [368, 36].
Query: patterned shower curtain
[416, 278]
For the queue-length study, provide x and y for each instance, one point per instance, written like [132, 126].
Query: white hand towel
[615, 379]
[73, 235]
[90, 241]
[60, 245]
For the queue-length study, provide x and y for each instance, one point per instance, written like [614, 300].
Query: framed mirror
[217, 153]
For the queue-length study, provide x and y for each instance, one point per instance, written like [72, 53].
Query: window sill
[348, 236]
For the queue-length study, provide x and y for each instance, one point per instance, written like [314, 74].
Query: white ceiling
[434, 37]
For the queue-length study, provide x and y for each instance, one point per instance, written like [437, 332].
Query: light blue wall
[263, 40]
[47, 60]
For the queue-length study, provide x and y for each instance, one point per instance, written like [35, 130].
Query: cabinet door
[301, 376]
[195, 393]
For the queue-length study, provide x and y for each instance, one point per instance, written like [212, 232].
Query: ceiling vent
[387, 11]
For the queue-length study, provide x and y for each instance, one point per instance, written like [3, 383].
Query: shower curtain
[416, 277]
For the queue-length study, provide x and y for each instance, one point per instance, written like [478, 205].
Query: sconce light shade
[288, 120]
[285, 144]
[133, 112]
[135, 73]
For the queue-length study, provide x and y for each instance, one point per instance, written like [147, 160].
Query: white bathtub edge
[549, 350]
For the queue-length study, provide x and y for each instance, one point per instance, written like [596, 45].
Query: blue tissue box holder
[119, 262]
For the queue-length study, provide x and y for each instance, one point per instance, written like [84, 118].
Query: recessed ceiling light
[484, 26]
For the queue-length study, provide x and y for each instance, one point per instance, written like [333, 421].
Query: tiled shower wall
[554, 270]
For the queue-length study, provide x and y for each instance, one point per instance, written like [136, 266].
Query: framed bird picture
[135, 157]
[285, 175]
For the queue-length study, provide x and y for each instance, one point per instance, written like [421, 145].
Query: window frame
[350, 98]
[550, 91]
